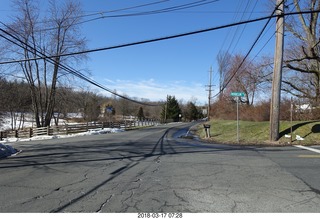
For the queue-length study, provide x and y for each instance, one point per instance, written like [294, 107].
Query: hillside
[225, 131]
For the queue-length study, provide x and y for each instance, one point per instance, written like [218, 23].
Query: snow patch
[97, 131]
[7, 151]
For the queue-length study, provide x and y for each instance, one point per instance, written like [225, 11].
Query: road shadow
[296, 126]
[133, 152]
[314, 130]
[159, 143]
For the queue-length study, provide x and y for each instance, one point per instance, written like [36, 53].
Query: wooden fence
[72, 128]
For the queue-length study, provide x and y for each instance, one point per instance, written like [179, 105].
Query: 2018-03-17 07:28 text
[160, 215]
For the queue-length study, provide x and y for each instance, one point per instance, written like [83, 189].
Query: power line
[244, 27]
[43, 56]
[127, 8]
[269, 39]
[102, 16]
[109, 11]
[233, 39]
[235, 15]
[164, 38]
[68, 68]
[150, 40]
[170, 9]
[251, 48]
[143, 13]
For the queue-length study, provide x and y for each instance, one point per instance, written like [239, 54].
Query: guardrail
[72, 128]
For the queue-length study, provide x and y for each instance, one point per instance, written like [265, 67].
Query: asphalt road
[152, 170]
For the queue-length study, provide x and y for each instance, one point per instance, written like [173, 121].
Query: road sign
[237, 94]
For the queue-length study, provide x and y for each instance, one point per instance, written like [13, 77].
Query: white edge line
[307, 148]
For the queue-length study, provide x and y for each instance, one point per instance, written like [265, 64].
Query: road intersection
[154, 170]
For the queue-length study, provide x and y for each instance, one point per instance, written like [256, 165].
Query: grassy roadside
[225, 131]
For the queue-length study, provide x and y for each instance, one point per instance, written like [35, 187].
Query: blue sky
[178, 67]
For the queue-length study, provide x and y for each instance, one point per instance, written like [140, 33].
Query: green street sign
[237, 94]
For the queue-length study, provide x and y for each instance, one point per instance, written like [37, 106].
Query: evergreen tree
[140, 114]
[192, 112]
[171, 110]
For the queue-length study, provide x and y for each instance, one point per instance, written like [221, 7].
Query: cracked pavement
[150, 170]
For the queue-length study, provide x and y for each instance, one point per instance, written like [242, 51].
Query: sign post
[238, 95]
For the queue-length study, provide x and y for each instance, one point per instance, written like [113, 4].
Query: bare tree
[223, 59]
[51, 36]
[302, 78]
[248, 78]
[15, 101]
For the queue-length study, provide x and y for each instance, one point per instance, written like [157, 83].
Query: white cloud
[155, 91]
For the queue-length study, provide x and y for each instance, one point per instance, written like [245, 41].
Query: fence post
[66, 128]
[48, 130]
[0, 135]
[30, 132]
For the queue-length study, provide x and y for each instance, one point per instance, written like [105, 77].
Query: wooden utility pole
[165, 110]
[209, 96]
[277, 73]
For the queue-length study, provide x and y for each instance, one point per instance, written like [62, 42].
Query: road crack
[104, 203]
[179, 197]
